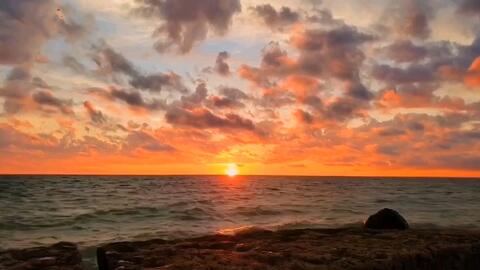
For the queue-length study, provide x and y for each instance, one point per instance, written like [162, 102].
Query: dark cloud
[73, 30]
[233, 93]
[224, 102]
[38, 82]
[411, 18]
[221, 66]
[111, 62]
[75, 65]
[46, 98]
[459, 161]
[95, 115]
[470, 7]
[415, 95]
[333, 52]
[276, 20]
[156, 82]
[26, 25]
[17, 93]
[131, 97]
[391, 132]
[389, 149]
[404, 51]
[276, 98]
[196, 98]
[203, 118]
[358, 91]
[275, 60]
[231, 98]
[416, 126]
[342, 109]
[16, 89]
[135, 99]
[189, 110]
[324, 54]
[187, 22]
[324, 17]
[18, 74]
[136, 140]
[411, 74]
[304, 117]
[314, 102]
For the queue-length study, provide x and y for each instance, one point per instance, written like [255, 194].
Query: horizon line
[241, 175]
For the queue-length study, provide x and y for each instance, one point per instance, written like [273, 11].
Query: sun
[232, 170]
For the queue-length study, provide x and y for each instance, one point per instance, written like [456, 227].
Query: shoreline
[331, 248]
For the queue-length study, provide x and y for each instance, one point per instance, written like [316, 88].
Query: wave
[263, 211]
[104, 215]
[190, 214]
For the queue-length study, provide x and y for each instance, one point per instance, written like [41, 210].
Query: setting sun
[232, 170]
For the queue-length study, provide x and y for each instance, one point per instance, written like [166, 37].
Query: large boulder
[386, 219]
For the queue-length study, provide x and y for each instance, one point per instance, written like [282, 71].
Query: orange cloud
[472, 78]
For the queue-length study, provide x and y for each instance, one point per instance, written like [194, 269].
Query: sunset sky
[282, 87]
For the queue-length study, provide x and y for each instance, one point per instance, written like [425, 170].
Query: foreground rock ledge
[61, 256]
[352, 248]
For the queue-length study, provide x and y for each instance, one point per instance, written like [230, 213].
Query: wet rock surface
[60, 256]
[348, 248]
[387, 219]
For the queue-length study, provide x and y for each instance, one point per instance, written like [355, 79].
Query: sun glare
[232, 170]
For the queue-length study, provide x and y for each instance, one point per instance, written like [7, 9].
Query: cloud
[472, 77]
[221, 66]
[140, 140]
[396, 75]
[342, 109]
[469, 76]
[276, 20]
[75, 65]
[26, 25]
[410, 18]
[95, 115]
[196, 98]
[231, 98]
[404, 51]
[187, 22]
[134, 98]
[131, 97]
[156, 82]
[468, 162]
[189, 110]
[331, 52]
[46, 98]
[304, 117]
[203, 118]
[16, 90]
[110, 62]
[323, 55]
[469, 7]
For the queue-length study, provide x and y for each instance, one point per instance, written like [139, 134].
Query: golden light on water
[232, 170]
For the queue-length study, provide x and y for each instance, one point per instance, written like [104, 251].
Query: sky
[284, 87]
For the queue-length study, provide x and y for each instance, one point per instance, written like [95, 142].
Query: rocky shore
[342, 249]
[391, 245]
[61, 256]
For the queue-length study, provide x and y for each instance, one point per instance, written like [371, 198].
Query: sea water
[91, 210]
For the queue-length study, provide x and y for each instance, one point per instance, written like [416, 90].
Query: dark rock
[306, 249]
[60, 256]
[386, 219]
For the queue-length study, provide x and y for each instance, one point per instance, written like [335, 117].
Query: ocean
[91, 210]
